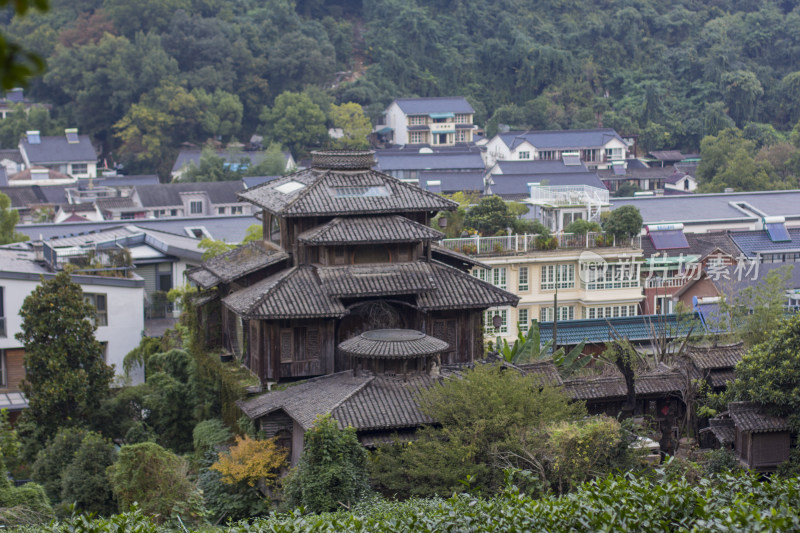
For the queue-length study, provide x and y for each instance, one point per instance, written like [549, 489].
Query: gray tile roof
[546, 371]
[117, 204]
[561, 139]
[459, 290]
[708, 207]
[370, 230]
[235, 263]
[537, 167]
[56, 149]
[376, 279]
[754, 418]
[227, 228]
[451, 182]
[305, 401]
[716, 357]
[440, 104]
[389, 160]
[319, 195]
[392, 344]
[293, 293]
[722, 429]
[601, 330]
[386, 402]
[606, 388]
[753, 242]
[22, 197]
[721, 378]
[124, 181]
[169, 194]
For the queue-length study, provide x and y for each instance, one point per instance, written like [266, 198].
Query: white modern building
[441, 121]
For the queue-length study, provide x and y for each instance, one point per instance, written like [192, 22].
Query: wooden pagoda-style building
[346, 250]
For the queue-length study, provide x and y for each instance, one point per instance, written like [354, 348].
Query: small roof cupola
[394, 351]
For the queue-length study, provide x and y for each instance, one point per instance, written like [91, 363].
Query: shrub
[226, 501]
[153, 477]
[720, 461]
[27, 504]
[54, 459]
[582, 227]
[332, 469]
[209, 434]
[84, 480]
[250, 461]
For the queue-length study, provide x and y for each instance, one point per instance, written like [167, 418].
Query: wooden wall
[15, 369]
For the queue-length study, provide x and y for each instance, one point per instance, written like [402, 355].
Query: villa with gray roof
[597, 148]
[437, 121]
[700, 213]
[409, 165]
[70, 154]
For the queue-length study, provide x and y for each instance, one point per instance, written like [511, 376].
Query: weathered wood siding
[15, 370]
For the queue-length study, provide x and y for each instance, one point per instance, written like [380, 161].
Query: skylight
[289, 187]
[361, 192]
[667, 236]
[776, 229]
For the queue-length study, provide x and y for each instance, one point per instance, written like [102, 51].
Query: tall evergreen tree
[65, 374]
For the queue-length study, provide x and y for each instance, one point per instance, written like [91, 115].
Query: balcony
[522, 244]
[442, 127]
[671, 282]
[568, 195]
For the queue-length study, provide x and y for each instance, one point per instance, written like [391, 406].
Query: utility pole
[555, 310]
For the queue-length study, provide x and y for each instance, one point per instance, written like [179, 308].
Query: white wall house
[120, 313]
[70, 154]
[434, 121]
[598, 148]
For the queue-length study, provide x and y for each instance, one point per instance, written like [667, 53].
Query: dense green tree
[8, 221]
[18, 64]
[332, 470]
[154, 478]
[622, 222]
[355, 126]
[728, 160]
[84, 481]
[489, 216]
[274, 164]
[295, 122]
[481, 413]
[66, 377]
[742, 91]
[53, 459]
[757, 310]
[769, 374]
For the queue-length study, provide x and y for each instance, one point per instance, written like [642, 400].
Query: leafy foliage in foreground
[616, 503]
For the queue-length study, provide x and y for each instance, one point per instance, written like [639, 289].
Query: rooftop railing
[521, 244]
[564, 195]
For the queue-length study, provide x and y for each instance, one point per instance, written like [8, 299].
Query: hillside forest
[142, 78]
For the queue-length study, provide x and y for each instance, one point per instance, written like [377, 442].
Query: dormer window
[361, 192]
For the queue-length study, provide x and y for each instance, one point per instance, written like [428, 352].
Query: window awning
[384, 131]
[442, 115]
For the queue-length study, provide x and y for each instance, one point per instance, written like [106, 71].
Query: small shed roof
[613, 387]
[234, 264]
[751, 417]
[716, 357]
[393, 344]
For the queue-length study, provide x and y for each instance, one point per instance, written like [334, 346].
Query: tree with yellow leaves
[250, 460]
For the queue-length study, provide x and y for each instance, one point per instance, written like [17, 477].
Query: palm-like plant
[528, 348]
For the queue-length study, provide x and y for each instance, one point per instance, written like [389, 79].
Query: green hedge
[618, 503]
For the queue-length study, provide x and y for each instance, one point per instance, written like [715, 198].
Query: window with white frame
[495, 276]
[524, 321]
[610, 311]
[613, 153]
[566, 312]
[525, 155]
[462, 136]
[523, 279]
[564, 275]
[596, 276]
[196, 207]
[220, 210]
[80, 168]
[463, 118]
[417, 137]
[417, 120]
[101, 307]
[236, 210]
[489, 321]
[548, 155]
